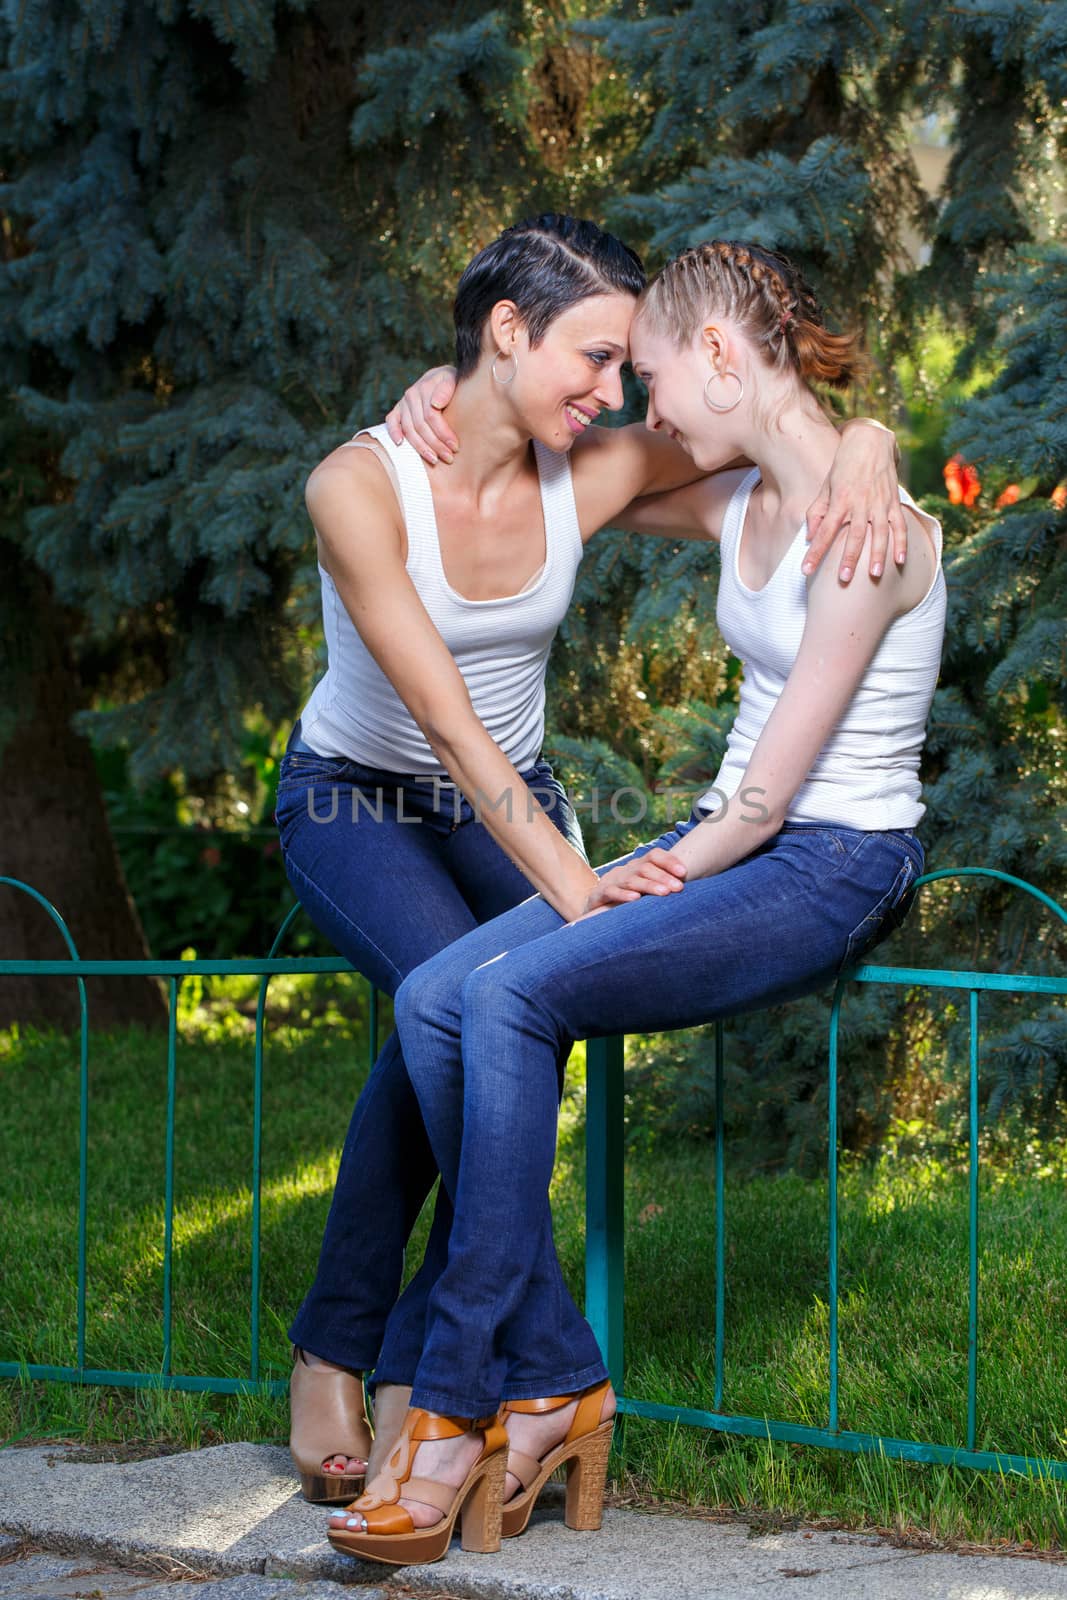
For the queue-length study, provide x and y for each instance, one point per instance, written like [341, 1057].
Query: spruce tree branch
[866, 20]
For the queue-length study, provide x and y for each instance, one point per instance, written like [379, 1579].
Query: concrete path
[228, 1524]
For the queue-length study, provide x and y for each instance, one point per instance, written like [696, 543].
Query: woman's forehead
[605, 318]
[645, 341]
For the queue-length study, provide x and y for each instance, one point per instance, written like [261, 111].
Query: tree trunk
[54, 832]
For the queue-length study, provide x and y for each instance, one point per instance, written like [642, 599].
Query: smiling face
[561, 385]
[675, 379]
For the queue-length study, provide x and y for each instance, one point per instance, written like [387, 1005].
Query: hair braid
[765, 294]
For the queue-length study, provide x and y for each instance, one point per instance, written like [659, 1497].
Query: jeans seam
[291, 868]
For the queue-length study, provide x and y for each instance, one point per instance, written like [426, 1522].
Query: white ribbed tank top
[500, 646]
[867, 773]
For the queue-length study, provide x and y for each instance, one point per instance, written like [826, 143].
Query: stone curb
[233, 1512]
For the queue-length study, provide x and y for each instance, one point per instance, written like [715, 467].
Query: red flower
[962, 481]
[1008, 497]
[211, 856]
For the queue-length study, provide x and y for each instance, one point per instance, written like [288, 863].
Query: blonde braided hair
[765, 294]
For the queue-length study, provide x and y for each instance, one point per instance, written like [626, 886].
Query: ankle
[310, 1359]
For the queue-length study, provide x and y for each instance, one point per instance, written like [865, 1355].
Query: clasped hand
[655, 872]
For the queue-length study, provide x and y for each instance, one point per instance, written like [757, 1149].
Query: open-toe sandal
[585, 1451]
[379, 1528]
[389, 1407]
[328, 1417]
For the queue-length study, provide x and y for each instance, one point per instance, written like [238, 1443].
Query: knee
[496, 992]
[425, 999]
[409, 1005]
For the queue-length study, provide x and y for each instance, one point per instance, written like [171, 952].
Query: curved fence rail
[172, 972]
[605, 1281]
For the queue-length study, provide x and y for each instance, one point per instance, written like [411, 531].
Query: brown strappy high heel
[585, 1451]
[388, 1532]
[327, 1417]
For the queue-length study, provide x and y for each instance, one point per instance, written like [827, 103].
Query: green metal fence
[604, 1224]
[605, 1272]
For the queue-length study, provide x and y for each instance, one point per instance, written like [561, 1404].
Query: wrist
[572, 898]
[867, 424]
[571, 907]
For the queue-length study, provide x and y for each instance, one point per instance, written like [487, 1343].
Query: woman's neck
[794, 453]
[494, 448]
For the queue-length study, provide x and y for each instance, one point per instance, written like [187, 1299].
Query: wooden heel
[328, 1417]
[318, 1489]
[484, 1507]
[587, 1474]
[584, 1452]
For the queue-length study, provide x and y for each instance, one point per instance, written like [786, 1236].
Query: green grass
[903, 1306]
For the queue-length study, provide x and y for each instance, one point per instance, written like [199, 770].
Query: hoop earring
[510, 356]
[729, 373]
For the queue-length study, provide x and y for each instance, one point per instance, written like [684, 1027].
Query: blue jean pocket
[884, 917]
[297, 764]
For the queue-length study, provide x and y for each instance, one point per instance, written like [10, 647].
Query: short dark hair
[545, 264]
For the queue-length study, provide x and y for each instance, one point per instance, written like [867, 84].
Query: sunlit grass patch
[903, 1313]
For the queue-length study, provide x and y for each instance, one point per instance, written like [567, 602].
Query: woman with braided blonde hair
[762, 289]
[792, 865]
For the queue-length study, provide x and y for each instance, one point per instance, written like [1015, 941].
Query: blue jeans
[484, 1024]
[391, 869]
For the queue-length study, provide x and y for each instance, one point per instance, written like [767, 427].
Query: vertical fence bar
[720, 1221]
[373, 1024]
[831, 1156]
[972, 1298]
[168, 1201]
[604, 1260]
[83, 1174]
[257, 1174]
[83, 1113]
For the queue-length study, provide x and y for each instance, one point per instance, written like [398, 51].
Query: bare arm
[860, 490]
[861, 485]
[695, 511]
[842, 632]
[354, 511]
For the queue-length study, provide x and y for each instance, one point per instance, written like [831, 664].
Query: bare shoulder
[597, 453]
[633, 448]
[352, 501]
[350, 469]
[612, 466]
[924, 555]
[714, 494]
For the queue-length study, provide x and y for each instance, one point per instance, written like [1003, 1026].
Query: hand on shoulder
[891, 594]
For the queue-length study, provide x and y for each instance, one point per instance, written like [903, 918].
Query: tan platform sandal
[389, 1408]
[327, 1417]
[585, 1451]
[379, 1528]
